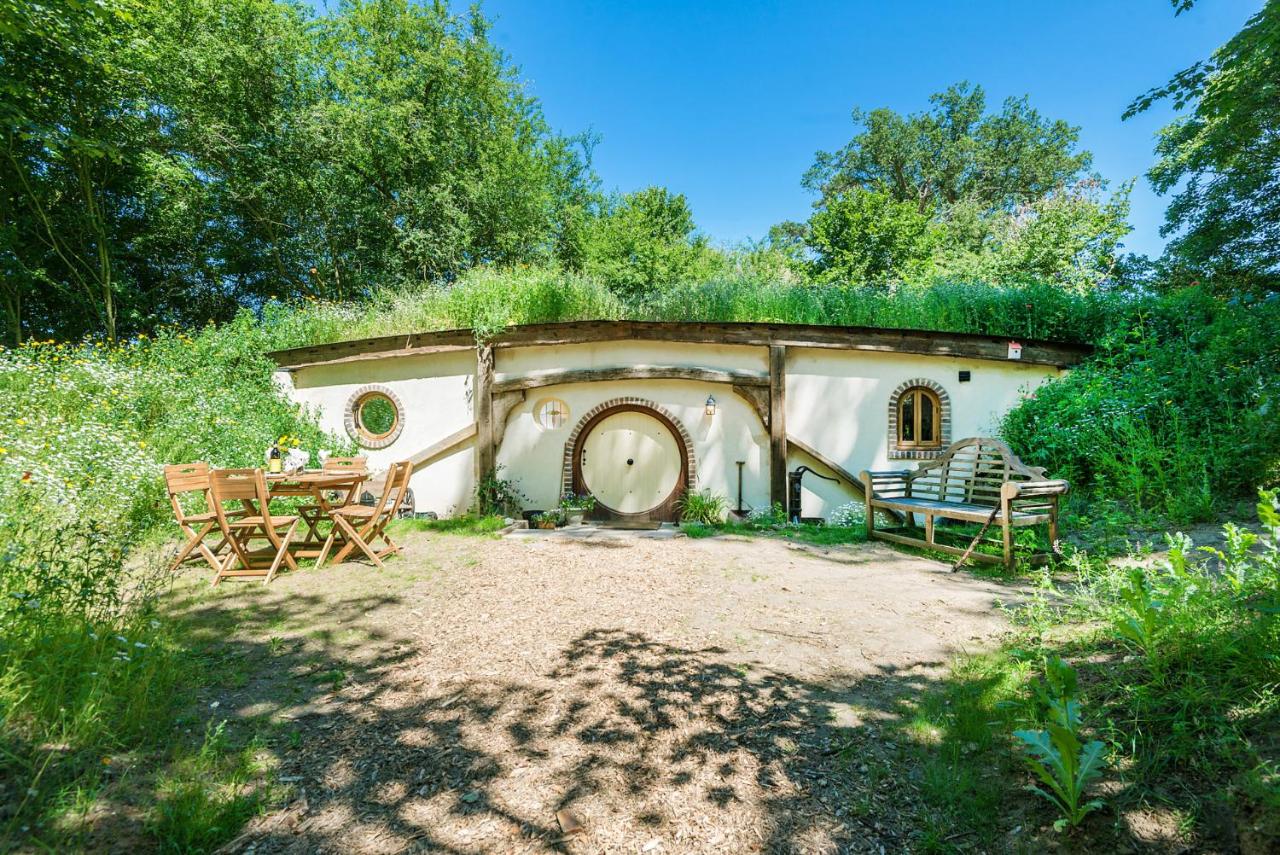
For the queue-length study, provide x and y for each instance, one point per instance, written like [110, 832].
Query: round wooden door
[633, 464]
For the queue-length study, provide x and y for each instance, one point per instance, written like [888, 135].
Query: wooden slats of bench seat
[965, 511]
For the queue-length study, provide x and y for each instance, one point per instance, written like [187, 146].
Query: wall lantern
[711, 405]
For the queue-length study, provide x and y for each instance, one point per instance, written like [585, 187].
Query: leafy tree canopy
[954, 152]
[645, 241]
[868, 236]
[1222, 160]
[171, 161]
[958, 192]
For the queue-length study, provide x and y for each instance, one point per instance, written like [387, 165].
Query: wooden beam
[926, 342]
[843, 474]
[503, 404]
[556, 376]
[437, 450]
[482, 404]
[381, 354]
[778, 426]
[758, 398]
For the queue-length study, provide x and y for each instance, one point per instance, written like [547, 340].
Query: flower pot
[574, 517]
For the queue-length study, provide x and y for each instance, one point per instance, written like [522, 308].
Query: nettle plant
[1158, 606]
[1057, 755]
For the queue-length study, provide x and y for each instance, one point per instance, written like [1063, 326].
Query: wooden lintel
[558, 376]
[437, 450]
[380, 354]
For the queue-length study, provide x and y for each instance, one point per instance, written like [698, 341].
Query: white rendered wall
[837, 402]
[435, 391]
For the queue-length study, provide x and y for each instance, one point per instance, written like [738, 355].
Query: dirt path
[667, 696]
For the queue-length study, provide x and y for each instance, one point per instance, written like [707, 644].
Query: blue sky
[727, 102]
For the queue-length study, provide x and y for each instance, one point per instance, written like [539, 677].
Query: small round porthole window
[550, 413]
[375, 416]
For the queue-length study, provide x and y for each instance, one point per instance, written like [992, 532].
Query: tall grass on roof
[489, 299]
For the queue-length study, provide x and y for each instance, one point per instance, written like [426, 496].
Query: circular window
[551, 413]
[374, 416]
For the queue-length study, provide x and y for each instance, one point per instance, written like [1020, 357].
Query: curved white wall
[836, 402]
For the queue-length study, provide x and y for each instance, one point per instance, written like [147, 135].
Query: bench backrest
[970, 471]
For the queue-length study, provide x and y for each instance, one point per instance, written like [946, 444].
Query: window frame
[356, 429]
[542, 404]
[365, 432]
[913, 395]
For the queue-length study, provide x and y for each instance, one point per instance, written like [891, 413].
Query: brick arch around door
[571, 479]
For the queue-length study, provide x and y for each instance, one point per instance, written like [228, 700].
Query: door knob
[630, 461]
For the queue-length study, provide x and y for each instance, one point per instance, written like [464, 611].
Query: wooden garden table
[316, 483]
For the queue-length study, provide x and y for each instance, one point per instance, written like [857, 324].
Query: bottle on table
[275, 463]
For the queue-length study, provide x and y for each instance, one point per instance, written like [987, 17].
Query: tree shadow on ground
[637, 738]
[258, 688]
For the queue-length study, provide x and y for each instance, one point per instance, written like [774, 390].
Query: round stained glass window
[551, 413]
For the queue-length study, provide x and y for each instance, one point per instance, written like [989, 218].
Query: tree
[170, 162]
[644, 241]
[1071, 236]
[72, 137]
[956, 191]
[953, 153]
[868, 236]
[1222, 160]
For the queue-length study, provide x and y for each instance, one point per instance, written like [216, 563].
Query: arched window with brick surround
[919, 420]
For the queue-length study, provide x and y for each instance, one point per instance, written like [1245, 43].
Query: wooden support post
[1006, 511]
[778, 425]
[482, 405]
[1053, 525]
[868, 492]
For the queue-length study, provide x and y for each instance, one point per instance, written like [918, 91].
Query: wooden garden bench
[977, 480]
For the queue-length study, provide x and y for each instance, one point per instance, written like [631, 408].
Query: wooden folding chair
[360, 525]
[184, 479]
[249, 488]
[313, 515]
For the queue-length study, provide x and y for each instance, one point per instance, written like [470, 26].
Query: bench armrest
[1032, 489]
[889, 479]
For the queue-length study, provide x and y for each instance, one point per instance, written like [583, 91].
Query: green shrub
[702, 506]
[87, 428]
[1175, 417]
[1196, 707]
[849, 515]
[85, 665]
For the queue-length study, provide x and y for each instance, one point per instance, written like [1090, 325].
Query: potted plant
[576, 507]
[546, 519]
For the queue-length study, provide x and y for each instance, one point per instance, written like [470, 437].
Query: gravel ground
[615, 694]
